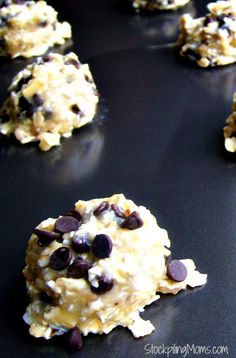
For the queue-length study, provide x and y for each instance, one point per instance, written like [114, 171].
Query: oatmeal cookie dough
[48, 99]
[211, 40]
[97, 267]
[153, 5]
[29, 28]
[230, 129]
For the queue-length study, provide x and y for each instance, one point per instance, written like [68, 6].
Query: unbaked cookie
[48, 99]
[210, 40]
[158, 4]
[29, 28]
[97, 266]
[230, 129]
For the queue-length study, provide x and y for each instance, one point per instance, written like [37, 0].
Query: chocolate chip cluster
[99, 248]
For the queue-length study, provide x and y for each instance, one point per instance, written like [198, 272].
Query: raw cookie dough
[158, 4]
[230, 129]
[48, 99]
[29, 28]
[210, 40]
[97, 267]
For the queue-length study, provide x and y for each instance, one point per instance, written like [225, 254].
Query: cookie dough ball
[210, 40]
[48, 99]
[230, 129]
[152, 5]
[97, 267]
[29, 28]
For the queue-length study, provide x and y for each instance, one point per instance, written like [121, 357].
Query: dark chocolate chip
[19, 2]
[88, 79]
[75, 109]
[104, 206]
[233, 134]
[105, 284]
[43, 23]
[74, 339]
[66, 224]
[76, 214]
[45, 297]
[72, 61]
[221, 20]
[192, 55]
[37, 99]
[79, 268]
[26, 106]
[2, 43]
[208, 19]
[60, 259]
[22, 82]
[81, 243]
[46, 237]
[102, 246]
[47, 114]
[47, 58]
[118, 211]
[177, 271]
[132, 222]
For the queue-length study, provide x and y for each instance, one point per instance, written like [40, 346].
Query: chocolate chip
[105, 284]
[60, 259]
[104, 206]
[221, 20]
[76, 214]
[74, 339]
[118, 211]
[43, 23]
[81, 243]
[19, 2]
[2, 43]
[72, 61]
[177, 271]
[22, 82]
[66, 224]
[75, 109]
[102, 246]
[192, 55]
[38, 101]
[79, 268]
[47, 58]
[45, 297]
[26, 106]
[46, 237]
[233, 134]
[132, 222]
[88, 79]
[208, 19]
[47, 114]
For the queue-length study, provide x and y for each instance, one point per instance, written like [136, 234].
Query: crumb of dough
[97, 267]
[151, 5]
[29, 28]
[230, 129]
[210, 41]
[48, 99]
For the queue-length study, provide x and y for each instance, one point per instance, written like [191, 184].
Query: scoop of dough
[158, 4]
[29, 28]
[96, 268]
[48, 99]
[210, 40]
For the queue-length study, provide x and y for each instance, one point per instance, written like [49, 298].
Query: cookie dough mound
[97, 267]
[210, 40]
[29, 28]
[48, 99]
[230, 129]
[152, 5]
